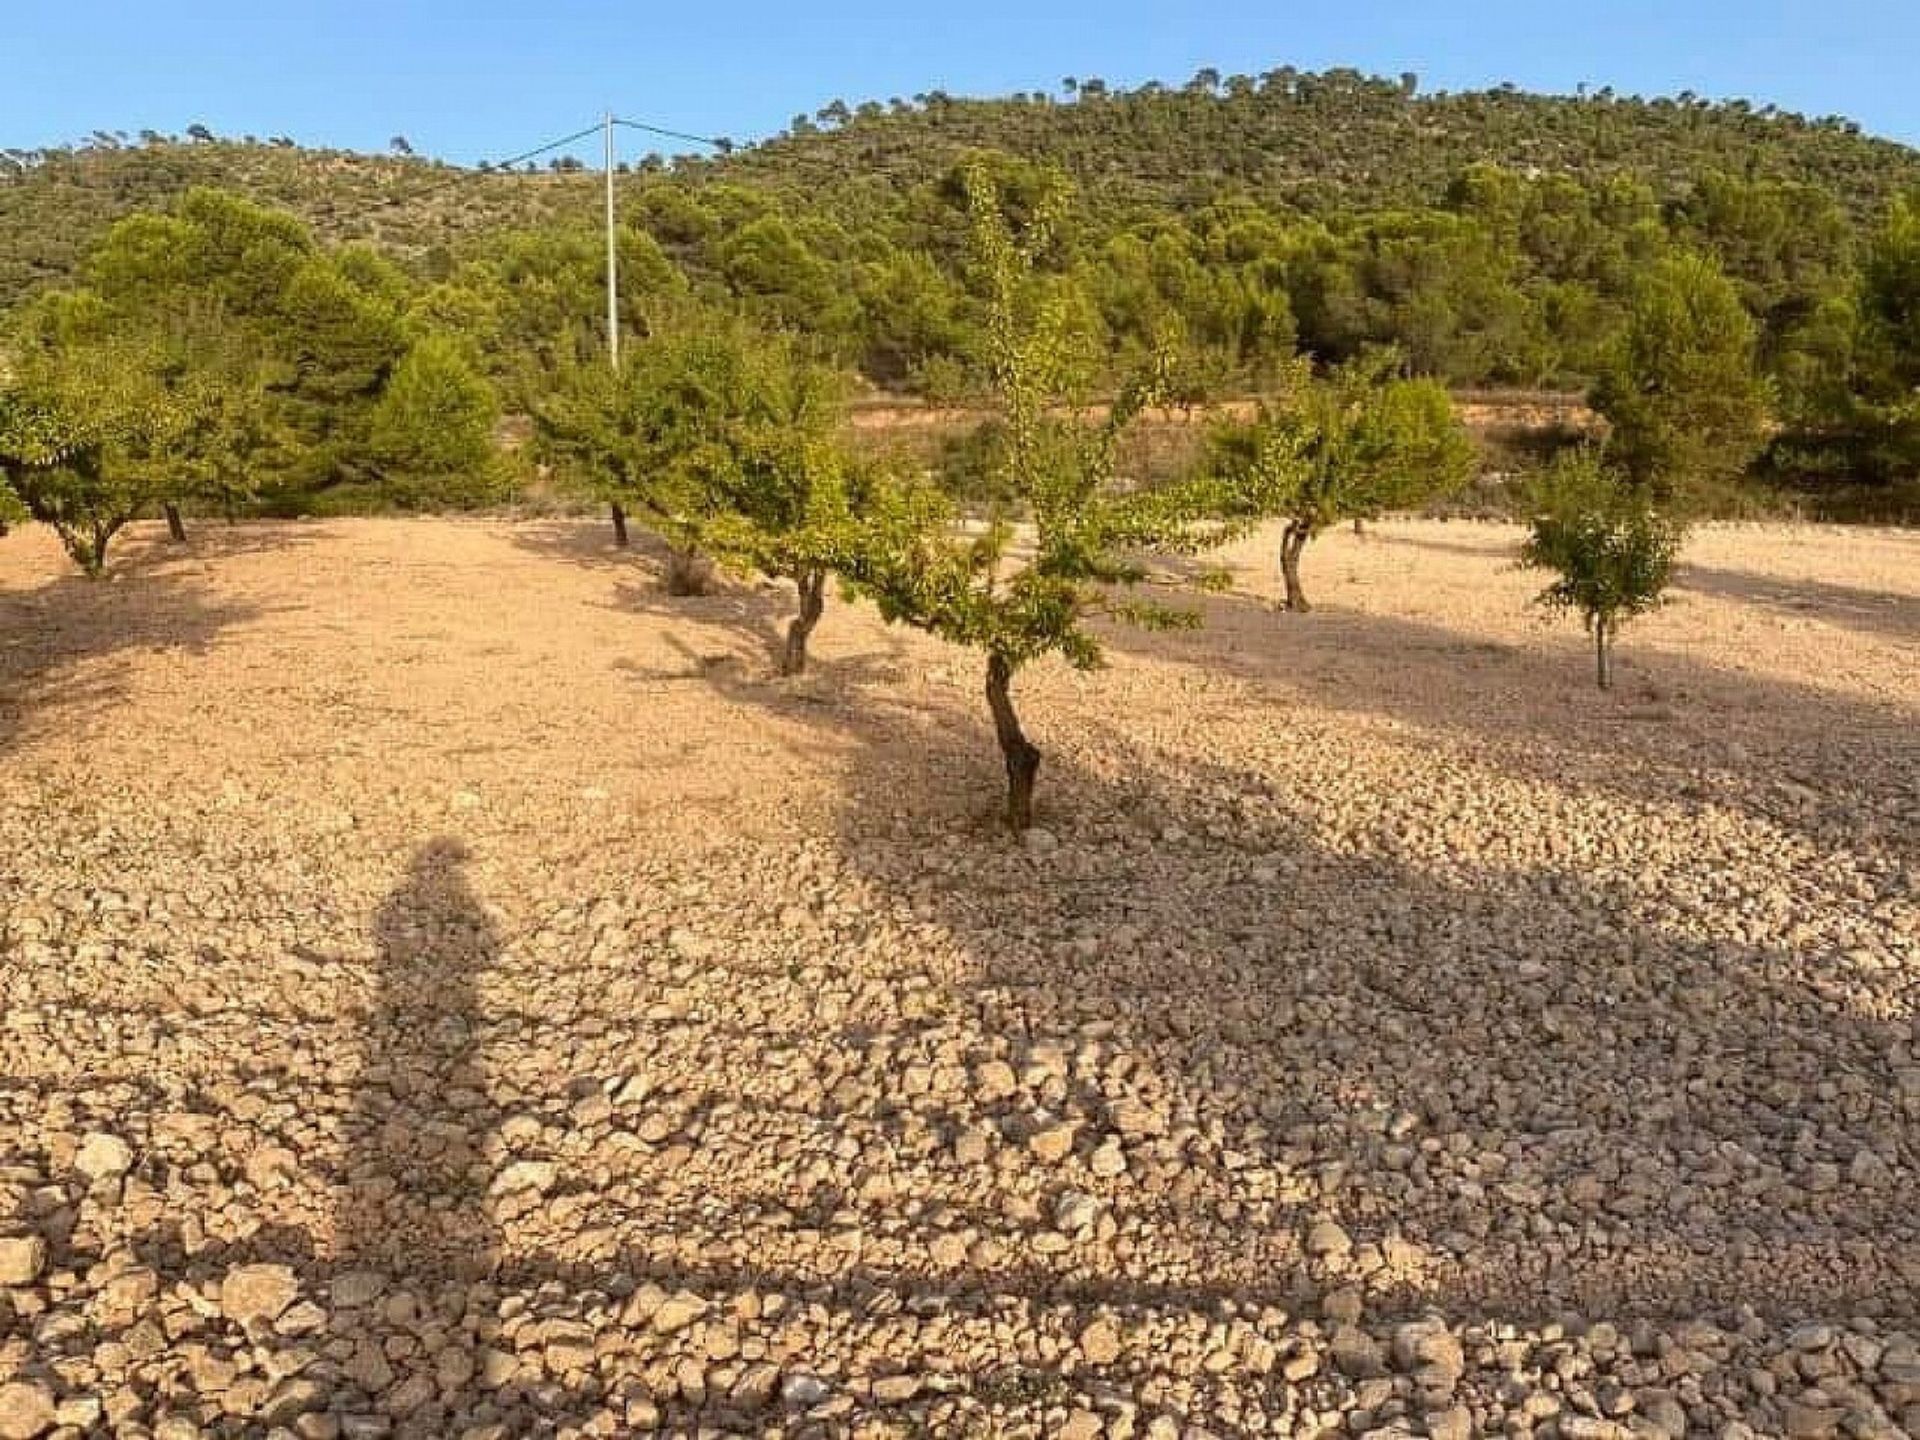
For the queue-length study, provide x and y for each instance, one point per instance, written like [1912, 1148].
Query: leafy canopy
[1354, 444]
[1613, 551]
[1686, 405]
[1070, 532]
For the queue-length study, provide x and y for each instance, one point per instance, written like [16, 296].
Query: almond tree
[87, 436]
[1020, 591]
[724, 439]
[1348, 447]
[1613, 550]
[785, 497]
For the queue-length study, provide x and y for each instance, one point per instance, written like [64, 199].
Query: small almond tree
[1019, 591]
[725, 438]
[1348, 447]
[1613, 549]
[88, 440]
[787, 497]
[643, 438]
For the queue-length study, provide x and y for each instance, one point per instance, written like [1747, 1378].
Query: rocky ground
[452, 989]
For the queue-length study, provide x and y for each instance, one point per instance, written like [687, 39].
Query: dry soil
[452, 988]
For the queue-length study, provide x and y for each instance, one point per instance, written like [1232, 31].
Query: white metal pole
[613, 281]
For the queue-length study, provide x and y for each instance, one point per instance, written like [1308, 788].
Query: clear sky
[473, 79]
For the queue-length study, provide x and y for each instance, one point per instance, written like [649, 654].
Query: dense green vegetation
[1491, 239]
[1737, 294]
[386, 310]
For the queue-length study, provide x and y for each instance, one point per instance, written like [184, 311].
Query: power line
[718, 142]
[458, 177]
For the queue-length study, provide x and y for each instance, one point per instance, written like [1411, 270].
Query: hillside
[53, 210]
[1341, 140]
[1319, 143]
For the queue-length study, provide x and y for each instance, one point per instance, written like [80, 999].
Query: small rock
[804, 1390]
[994, 1080]
[1327, 1238]
[896, 1389]
[535, 1176]
[1812, 1422]
[1100, 1343]
[1052, 1143]
[677, 1311]
[355, 1288]
[22, 1258]
[1343, 1306]
[102, 1156]
[26, 1410]
[755, 1386]
[1075, 1212]
[1357, 1354]
[257, 1292]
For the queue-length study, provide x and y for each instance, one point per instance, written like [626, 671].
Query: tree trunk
[812, 585]
[1602, 654]
[619, 515]
[1359, 526]
[176, 528]
[1292, 542]
[688, 573]
[1022, 756]
[93, 556]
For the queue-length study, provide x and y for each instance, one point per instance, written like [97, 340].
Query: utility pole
[613, 280]
[618, 515]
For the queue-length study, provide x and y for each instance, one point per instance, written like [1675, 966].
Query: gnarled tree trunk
[176, 528]
[1022, 756]
[812, 585]
[1292, 541]
[619, 515]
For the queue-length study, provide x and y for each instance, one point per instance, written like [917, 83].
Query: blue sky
[473, 79]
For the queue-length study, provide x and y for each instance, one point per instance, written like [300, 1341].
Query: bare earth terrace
[452, 988]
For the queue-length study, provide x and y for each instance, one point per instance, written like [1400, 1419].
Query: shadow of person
[414, 1240]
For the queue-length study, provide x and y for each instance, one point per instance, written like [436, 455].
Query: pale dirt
[440, 899]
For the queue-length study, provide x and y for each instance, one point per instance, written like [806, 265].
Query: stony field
[452, 989]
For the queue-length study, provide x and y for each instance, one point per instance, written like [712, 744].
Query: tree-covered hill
[1222, 231]
[1338, 139]
[1319, 143]
[55, 204]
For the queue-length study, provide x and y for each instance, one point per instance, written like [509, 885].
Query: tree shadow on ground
[1310, 1001]
[1836, 768]
[1516, 1089]
[53, 636]
[580, 543]
[1870, 612]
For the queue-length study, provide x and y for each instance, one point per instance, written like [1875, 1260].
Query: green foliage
[1492, 239]
[1680, 392]
[91, 434]
[431, 432]
[1613, 551]
[1887, 380]
[1021, 593]
[1350, 446]
[671, 432]
[1354, 444]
